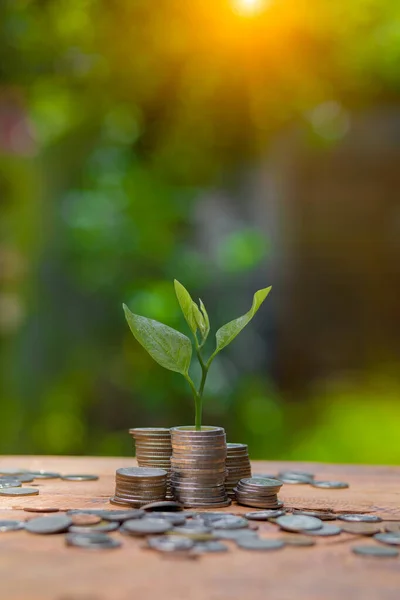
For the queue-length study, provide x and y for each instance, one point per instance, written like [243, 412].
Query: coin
[294, 474]
[163, 505]
[392, 538]
[25, 477]
[170, 543]
[250, 543]
[325, 530]
[231, 522]
[8, 484]
[103, 527]
[192, 528]
[295, 478]
[208, 547]
[19, 491]
[259, 482]
[45, 475]
[355, 518]
[298, 522]
[12, 471]
[85, 519]
[41, 509]
[122, 515]
[92, 541]
[298, 540]
[361, 528]
[379, 551]
[330, 485]
[146, 526]
[79, 477]
[264, 515]
[233, 534]
[173, 517]
[10, 525]
[324, 516]
[49, 525]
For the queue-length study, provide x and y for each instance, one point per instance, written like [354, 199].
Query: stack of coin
[199, 466]
[153, 449]
[258, 492]
[137, 486]
[238, 465]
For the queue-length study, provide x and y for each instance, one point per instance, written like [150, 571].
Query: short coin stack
[199, 466]
[137, 486]
[258, 492]
[238, 465]
[153, 449]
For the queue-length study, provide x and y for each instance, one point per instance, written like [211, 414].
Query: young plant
[173, 350]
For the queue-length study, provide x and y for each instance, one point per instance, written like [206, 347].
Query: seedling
[173, 350]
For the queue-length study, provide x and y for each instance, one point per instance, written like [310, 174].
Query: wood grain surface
[34, 567]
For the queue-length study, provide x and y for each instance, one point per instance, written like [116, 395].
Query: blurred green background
[231, 144]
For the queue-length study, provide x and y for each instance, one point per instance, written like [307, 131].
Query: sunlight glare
[249, 8]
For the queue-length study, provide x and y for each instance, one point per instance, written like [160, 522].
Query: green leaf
[186, 304]
[206, 319]
[228, 332]
[170, 348]
[199, 319]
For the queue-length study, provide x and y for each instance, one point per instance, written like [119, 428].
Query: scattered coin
[163, 505]
[392, 526]
[122, 515]
[146, 526]
[170, 543]
[193, 528]
[355, 518]
[264, 515]
[86, 511]
[380, 551]
[25, 477]
[85, 519]
[263, 476]
[19, 491]
[392, 538]
[295, 474]
[102, 527]
[298, 523]
[233, 534]
[296, 479]
[11, 525]
[330, 485]
[79, 477]
[298, 540]
[7, 484]
[211, 546]
[48, 525]
[325, 530]
[45, 475]
[250, 543]
[40, 509]
[230, 522]
[361, 528]
[174, 518]
[92, 541]
[324, 516]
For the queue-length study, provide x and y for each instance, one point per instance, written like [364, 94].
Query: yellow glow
[249, 7]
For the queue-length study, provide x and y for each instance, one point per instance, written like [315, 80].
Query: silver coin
[174, 518]
[264, 515]
[391, 538]
[7, 484]
[255, 543]
[92, 541]
[361, 528]
[379, 551]
[298, 522]
[19, 491]
[192, 528]
[325, 530]
[209, 547]
[86, 511]
[141, 473]
[231, 522]
[298, 480]
[170, 543]
[79, 477]
[261, 482]
[24, 477]
[102, 527]
[330, 485]
[146, 526]
[48, 525]
[294, 474]
[324, 516]
[11, 525]
[233, 534]
[45, 475]
[122, 515]
[354, 518]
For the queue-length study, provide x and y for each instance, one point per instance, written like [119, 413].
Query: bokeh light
[249, 7]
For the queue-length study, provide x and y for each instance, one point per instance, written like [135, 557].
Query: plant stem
[199, 398]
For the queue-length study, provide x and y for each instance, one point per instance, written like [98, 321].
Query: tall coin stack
[153, 449]
[238, 465]
[199, 466]
[258, 492]
[137, 486]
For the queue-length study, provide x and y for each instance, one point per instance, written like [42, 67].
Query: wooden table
[43, 568]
